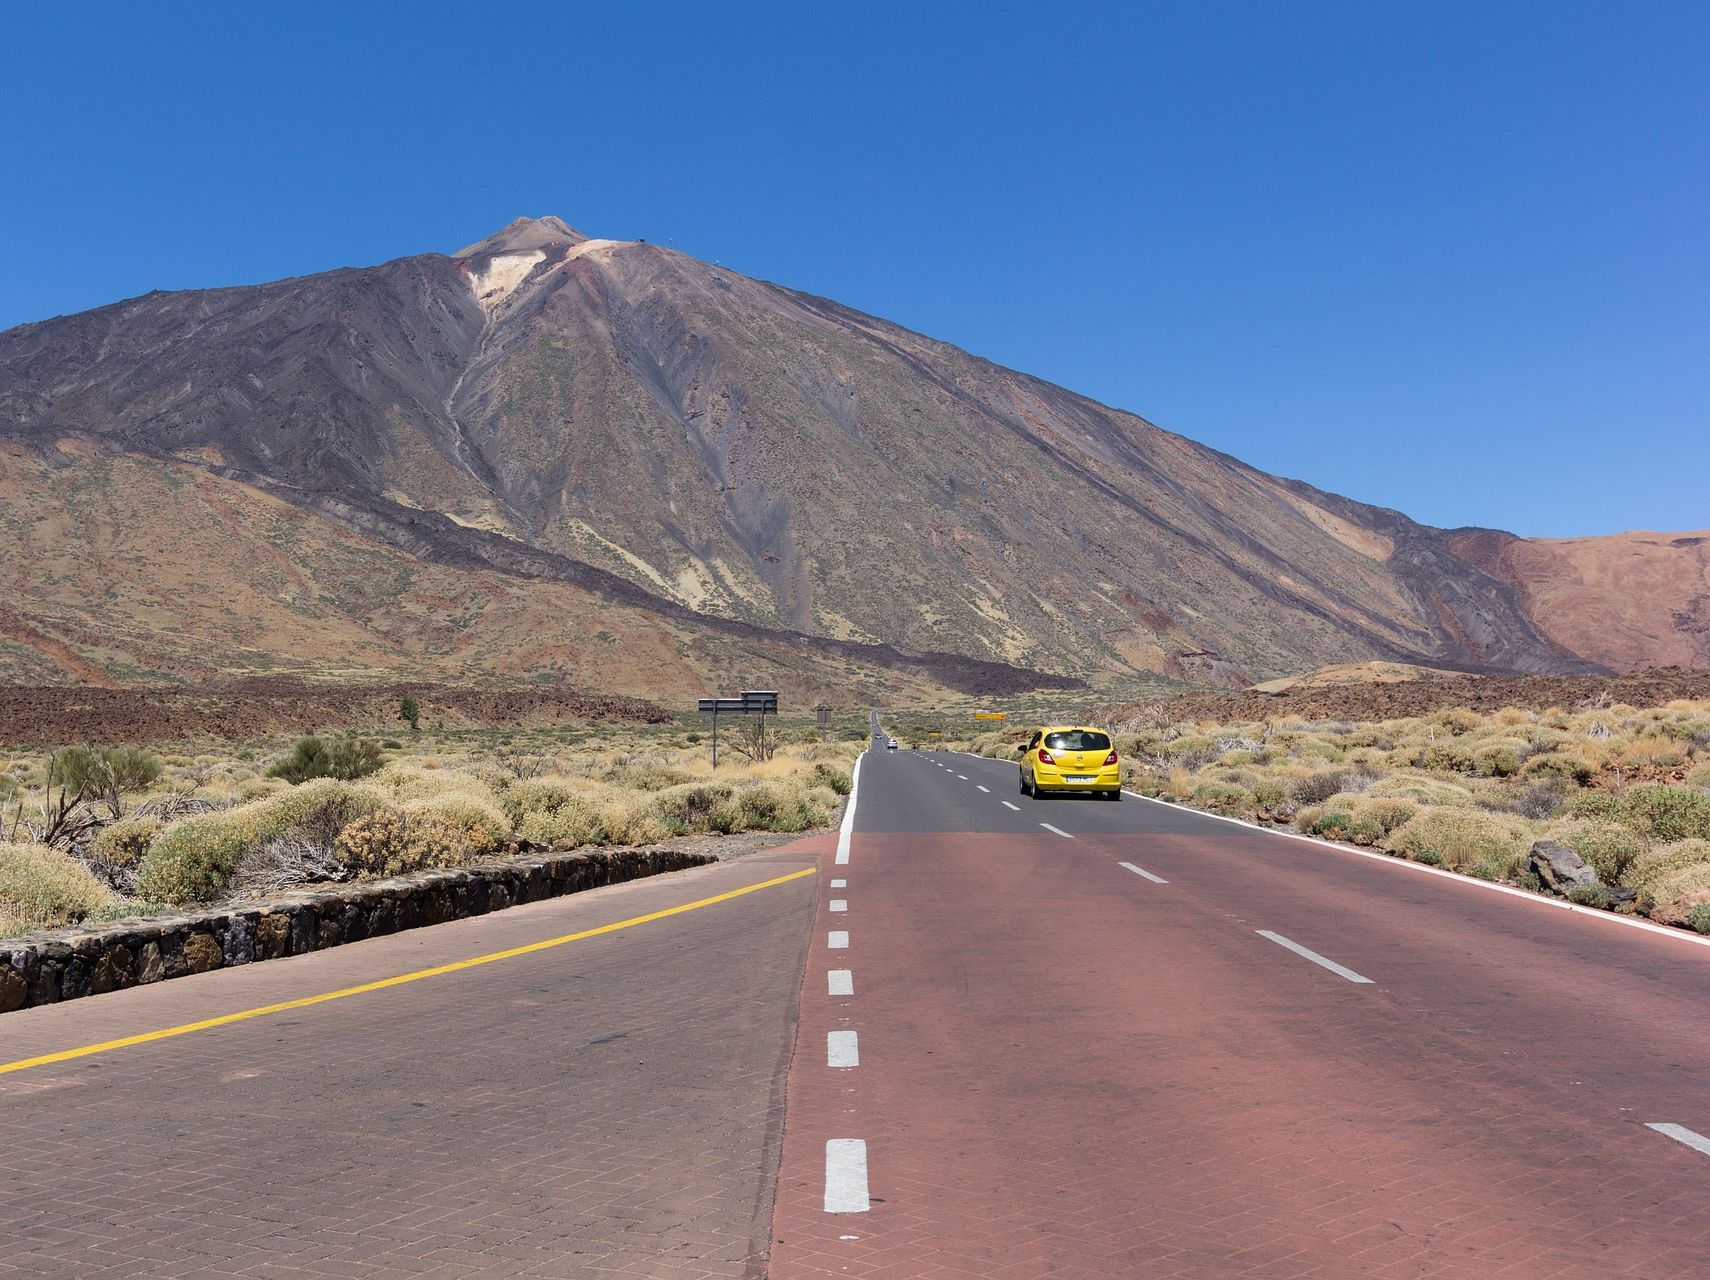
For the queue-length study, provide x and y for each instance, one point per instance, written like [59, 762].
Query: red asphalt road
[1068, 1070]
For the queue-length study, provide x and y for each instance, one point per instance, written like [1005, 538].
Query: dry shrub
[44, 888]
[1388, 812]
[544, 795]
[1315, 788]
[1468, 840]
[121, 847]
[1652, 872]
[1423, 791]
[388, 842]
[479, 824]
[193, 858]
[570, 825]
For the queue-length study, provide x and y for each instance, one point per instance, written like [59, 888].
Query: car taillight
[1110, 759]
[1045, 757]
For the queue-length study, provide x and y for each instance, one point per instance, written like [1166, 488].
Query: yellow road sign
[991, 715]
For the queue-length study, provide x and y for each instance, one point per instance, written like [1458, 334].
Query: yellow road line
[166, 1033]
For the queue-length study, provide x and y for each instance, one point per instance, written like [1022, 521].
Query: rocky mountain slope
[665, 443]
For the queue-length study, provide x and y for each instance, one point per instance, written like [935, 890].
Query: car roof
[1071, 728]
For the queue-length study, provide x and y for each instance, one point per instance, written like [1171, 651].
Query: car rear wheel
[1113, 795]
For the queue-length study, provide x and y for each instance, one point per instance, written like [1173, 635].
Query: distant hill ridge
[667, 440]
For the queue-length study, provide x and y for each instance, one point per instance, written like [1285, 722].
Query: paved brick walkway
[608, 1108]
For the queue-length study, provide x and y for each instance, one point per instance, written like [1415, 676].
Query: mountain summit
[712, 451]
[523, 235]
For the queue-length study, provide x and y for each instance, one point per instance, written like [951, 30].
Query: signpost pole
[715, 738]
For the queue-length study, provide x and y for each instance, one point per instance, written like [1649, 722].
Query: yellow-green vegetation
[42, 887]
[228, 821]
[1626, 788]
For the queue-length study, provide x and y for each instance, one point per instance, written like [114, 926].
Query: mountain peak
[524, 234]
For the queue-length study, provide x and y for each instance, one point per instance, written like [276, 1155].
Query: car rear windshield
[1078, 740]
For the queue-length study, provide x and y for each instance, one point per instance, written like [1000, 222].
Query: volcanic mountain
[552, 453]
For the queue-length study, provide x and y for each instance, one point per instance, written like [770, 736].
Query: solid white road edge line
[840, 904]
[1056, 831]
[1404, 864]
[1313, 956]
[837, 939]
[846, 828]
[842, 1049]
[1006, 804]
[1680, 1133]
[840, 982]
[1142, 872]
[846, 1176]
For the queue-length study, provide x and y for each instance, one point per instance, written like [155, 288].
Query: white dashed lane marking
[846, 1176]
[1006, 804]
[987, 790]
[1056, 831]
[840, 982]
[842, 1049]
[839, 905]
[837, 939]
[1313, 956]
[1143, 873]
[839, 884]
[1680, 1133]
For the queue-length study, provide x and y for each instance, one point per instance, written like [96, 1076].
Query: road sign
[823, 712]
[753, 702]
[991, 715]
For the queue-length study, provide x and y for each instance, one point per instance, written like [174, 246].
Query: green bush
[1221, 797]
[1699, 918]
[44, 888]
[103, 771]
[1598, 806]
[342, 758]
[1589, 895]
[1498, 761]
[1608, 847]
[1271, 797]
[1388, 812]
[1668, 813]
[829, 775]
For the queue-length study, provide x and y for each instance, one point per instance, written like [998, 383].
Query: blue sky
[1448, 257]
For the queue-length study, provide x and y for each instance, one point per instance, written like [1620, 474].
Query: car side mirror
[1021, 750]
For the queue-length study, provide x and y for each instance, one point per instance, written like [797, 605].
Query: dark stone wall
[70, 963]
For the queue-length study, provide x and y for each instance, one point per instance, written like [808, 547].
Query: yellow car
[1068, 757]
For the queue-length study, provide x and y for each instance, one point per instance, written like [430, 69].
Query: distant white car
[891, 744]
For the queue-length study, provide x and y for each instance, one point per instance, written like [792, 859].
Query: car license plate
[1080, 777]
